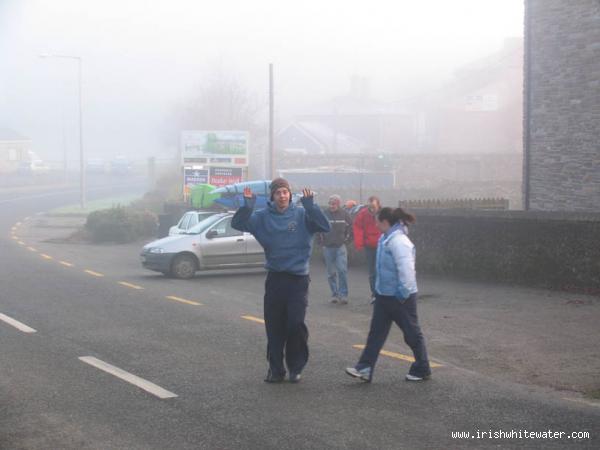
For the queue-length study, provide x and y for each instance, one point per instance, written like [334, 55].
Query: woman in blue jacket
[396, 297]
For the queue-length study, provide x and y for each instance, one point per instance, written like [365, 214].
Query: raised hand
[247, 192]
[306, 192]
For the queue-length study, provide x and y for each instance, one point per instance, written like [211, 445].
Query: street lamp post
[79, 60]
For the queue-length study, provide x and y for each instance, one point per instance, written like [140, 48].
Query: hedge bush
[121, 225]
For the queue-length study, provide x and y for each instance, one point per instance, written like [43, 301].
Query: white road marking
[15, 323]
[579, 400]
[129, 377]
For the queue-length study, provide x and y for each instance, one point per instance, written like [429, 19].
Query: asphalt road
[209, 362]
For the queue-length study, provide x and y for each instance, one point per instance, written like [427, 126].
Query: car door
[255, 255]
[223, 246]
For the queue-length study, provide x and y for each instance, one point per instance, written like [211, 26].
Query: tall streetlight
[81, 159]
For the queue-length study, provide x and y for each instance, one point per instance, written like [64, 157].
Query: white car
[38, 166]
[212, 244]
[189, 220]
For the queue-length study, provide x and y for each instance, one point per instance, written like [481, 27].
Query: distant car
[95, 166]
[24, 168]
[38, 166]
[212, 244]
[33, 167]
[120, 166]
[190, 219]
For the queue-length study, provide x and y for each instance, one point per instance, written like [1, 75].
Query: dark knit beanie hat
[279, 183]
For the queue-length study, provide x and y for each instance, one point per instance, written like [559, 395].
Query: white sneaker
[410, 377]
[362, 374]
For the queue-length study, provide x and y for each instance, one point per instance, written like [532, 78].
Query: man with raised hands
[285, 231]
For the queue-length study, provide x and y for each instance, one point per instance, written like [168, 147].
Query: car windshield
[204, 224]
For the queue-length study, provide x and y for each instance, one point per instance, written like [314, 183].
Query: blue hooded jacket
[286, 236]
[395, 264]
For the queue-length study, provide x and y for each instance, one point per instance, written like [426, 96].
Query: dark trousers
[385, 311]
[286, 299]
[371, 256]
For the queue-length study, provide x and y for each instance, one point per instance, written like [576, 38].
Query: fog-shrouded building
[561, 170]
[14, 148]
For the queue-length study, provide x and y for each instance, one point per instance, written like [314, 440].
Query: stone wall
[562, 105]
[524, 247]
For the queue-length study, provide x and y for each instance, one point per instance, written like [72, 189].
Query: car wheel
[183, 267]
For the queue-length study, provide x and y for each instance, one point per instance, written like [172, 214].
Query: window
[224, 229]
[183, 223]
[193, 220]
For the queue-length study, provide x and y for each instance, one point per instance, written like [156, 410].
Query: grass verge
[75, 210]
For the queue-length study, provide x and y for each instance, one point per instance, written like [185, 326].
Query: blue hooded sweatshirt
[286, 236]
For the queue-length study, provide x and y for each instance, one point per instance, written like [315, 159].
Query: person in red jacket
[366, 235]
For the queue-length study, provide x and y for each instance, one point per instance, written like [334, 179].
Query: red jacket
[366, 233]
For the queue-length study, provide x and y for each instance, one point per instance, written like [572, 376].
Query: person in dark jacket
[286, 232]
[334, 249]
[396, 301]
[366, 236]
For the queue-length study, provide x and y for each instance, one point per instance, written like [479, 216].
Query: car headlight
[156, 250]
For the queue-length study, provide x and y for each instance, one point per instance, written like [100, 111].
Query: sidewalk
[513, 333]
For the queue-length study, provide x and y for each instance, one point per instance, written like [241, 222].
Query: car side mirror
[211, 234]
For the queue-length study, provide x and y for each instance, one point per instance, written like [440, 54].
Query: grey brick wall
[562, 105]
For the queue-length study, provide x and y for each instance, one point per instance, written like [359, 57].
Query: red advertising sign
[222, 176]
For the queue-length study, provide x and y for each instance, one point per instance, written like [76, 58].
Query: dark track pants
[371, 256]
[286, 299]
[385, 311]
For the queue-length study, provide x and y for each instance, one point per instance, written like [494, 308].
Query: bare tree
[223, 103]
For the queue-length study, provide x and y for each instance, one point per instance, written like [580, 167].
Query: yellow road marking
[20, 242]
[18, 224]
[16, 238]
[130, 285]
[43, 255]
[31, 249]
[253, 319]
[65, 263]
[13, 229]
[398, 356]
[95, 274]
[182, 300]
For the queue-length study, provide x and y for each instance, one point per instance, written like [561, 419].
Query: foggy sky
[140, 61]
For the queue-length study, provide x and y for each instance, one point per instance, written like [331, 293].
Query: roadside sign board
[222, 176]
[215, 148]
[192, 177]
